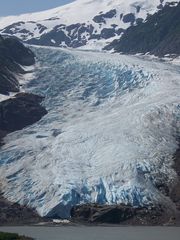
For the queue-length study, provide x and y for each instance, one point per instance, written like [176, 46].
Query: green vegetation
[12, 236]
[159, 34]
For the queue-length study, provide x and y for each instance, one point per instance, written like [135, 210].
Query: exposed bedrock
[164, 25]
[13, 213]
[120, 214]
[18, 112]
[13, 48]
[13, 54]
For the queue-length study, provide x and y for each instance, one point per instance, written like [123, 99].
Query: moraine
[109, 135]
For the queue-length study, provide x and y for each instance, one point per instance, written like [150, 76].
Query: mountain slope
[12, 56]
[159, 34]
[83, 22]
[22, 109]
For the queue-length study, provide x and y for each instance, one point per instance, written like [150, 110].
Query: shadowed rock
[12, 55]
[120, 214]
[19, 112]
[129, 18]
[165, 26]
[13, 213]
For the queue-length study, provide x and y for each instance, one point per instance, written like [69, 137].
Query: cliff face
[159, 34]
[13, 54]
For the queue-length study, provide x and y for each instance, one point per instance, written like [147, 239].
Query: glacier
[108, 138]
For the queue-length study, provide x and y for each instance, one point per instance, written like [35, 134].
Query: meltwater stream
[109, 135]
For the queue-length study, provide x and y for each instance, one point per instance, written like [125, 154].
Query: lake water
[97, 233]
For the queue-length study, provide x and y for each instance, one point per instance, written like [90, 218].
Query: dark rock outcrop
[13, 213]
[101, 18]
[108, 33]
[159, 34]
[12, 55]
[18, 112]
[120, 214]
[14, 49]
[129, 18]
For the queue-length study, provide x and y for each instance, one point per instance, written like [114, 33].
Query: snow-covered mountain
[164, 25]
[90, 23]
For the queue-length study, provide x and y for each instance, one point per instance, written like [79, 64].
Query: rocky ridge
[13, 55]
[165, 26]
